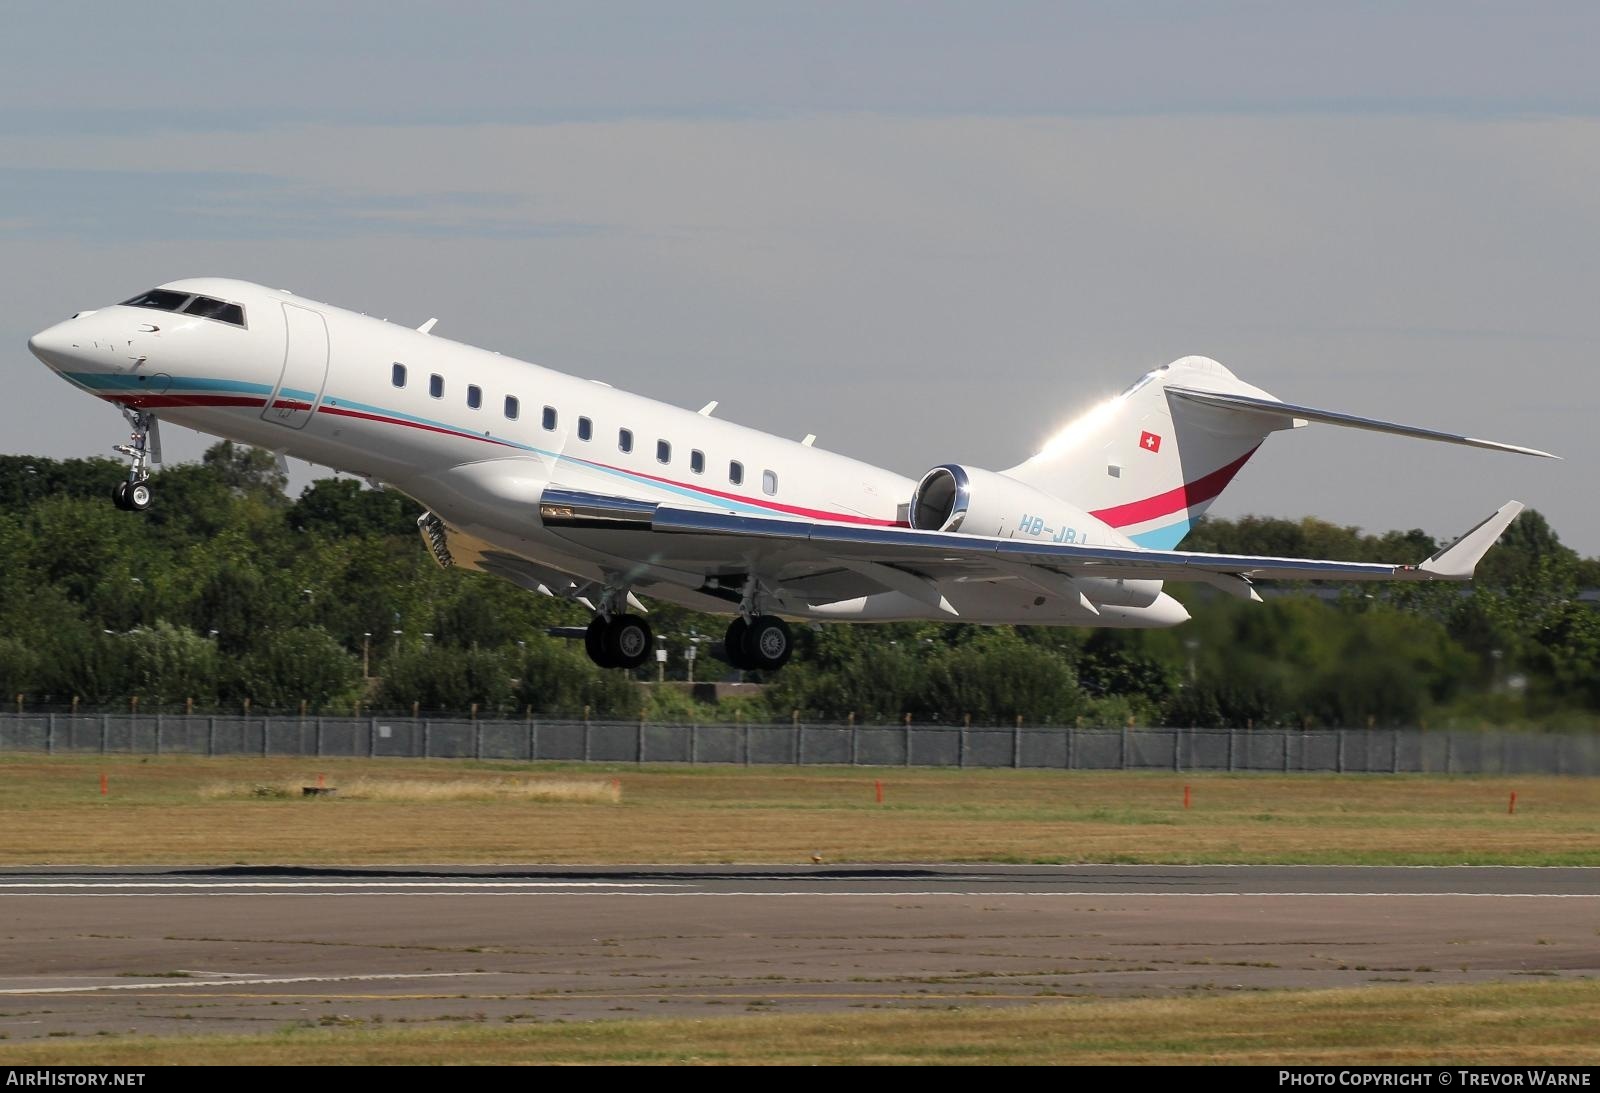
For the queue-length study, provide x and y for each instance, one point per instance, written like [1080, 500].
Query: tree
[247, 471]
[294, 666]
[559, 680]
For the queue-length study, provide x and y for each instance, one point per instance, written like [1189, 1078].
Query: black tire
[594, 643]
[733, 644]
[768, 643]
[139, 495]
[628, 641]
[119, 496]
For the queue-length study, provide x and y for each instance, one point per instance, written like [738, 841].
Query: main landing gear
[143, 448]
[621, 641]
[762, 644]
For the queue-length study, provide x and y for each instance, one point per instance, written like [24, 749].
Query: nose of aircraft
[53, 345]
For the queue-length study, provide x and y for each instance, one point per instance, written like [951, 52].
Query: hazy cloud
[926, 233]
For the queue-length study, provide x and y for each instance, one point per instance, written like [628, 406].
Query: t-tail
[1150, 461]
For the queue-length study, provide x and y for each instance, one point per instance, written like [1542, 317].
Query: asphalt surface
[190, 950]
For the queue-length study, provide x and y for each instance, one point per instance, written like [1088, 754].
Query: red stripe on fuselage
[1197, 492]
[142, 400]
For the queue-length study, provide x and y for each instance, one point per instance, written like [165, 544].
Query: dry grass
[1543, 1024]
[51, 811]
[434, 790]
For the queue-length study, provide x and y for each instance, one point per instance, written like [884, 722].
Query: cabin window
[736, 472]
[436, 385]
[663, 452]
[398, 375]
[625, 439]
[697, 461]
[474, 395]
[769, 482]
[512, 407]
[549, 417]
[585, 428]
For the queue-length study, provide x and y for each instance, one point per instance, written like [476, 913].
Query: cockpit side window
[222, 311]
[159, 299]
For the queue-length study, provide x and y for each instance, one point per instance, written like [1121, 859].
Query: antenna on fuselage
[427, 327]
[705, 411]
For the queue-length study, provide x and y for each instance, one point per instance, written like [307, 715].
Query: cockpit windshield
[165, 299]
[161, 299]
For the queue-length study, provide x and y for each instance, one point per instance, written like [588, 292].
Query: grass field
[198, 810]
[1537, 1024]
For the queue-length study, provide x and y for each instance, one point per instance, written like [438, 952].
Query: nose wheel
[622, 641]
[143, 449]
[132, 496]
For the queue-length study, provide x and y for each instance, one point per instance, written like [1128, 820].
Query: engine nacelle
[979, 502]
[972, 501]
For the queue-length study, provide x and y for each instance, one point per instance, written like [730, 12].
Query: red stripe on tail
[1193, 493]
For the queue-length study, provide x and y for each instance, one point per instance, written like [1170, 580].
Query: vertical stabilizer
[1149, 465]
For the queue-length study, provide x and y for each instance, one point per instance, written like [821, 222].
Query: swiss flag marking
[1150, 442]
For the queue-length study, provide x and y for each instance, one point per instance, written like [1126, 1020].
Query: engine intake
[952, 497]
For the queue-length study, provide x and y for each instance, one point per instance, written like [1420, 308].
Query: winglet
[1460, 558]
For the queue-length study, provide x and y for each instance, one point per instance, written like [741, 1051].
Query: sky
[925, 232]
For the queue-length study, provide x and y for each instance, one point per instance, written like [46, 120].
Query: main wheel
[768, 643]
[627, 641]
[733, 644]
[594, 643]
[119, 496]
[139, 495]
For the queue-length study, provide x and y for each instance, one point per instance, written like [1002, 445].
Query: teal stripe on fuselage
[100, 381]
[1162, 538]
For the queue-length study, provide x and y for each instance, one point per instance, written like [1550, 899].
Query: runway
[189, 950]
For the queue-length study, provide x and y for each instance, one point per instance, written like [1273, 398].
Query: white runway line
[236, 982]
[374, 883]
[1099, 893]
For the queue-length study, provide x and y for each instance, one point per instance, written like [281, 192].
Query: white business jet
[572, 488]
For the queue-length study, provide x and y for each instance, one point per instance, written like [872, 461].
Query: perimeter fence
[1365, 750]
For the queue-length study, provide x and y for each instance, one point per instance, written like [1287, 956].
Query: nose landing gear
[143, 449]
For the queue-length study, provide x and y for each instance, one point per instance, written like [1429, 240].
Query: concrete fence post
[50, 736]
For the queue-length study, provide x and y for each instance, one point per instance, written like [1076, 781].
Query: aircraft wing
[891, 556]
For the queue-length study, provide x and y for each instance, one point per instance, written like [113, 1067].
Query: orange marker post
[878, 785]
[1185, 796]
[321, 781]
[1511, 809]
[105, 787]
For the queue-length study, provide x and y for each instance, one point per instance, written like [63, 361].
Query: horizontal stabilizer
[1460, 558]
[1226, 401]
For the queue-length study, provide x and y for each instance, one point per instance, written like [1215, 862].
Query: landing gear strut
[143, 448]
